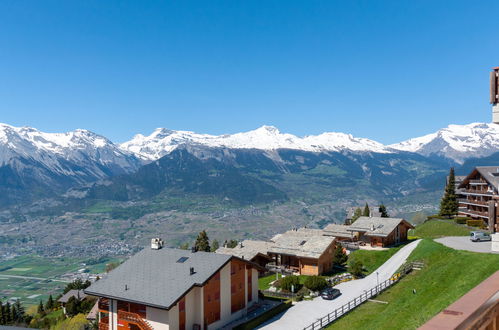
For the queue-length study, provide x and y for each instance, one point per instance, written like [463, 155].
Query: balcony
[104, 323]
[472, 213]
[478, 182]
[104, 304]
[134, 318]
[476, 192]
[472, 202]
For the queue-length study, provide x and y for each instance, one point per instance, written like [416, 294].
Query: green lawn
[439, 228]
[264, 282]
[372, 259]
[447, 275]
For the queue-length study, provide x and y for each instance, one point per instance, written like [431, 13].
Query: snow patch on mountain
[457, 142]
[162, 141]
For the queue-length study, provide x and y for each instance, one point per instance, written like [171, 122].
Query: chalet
[304, 251]
[480, 193]
[254, 251]
[77, 294]
[163, 288]
[375, 231]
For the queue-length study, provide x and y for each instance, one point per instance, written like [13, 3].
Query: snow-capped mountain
[34, 163]
[162, 141]
[456, 142]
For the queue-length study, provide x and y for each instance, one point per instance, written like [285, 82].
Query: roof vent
[241, 244]
[156, 243]
[191, 270]
[372, 226]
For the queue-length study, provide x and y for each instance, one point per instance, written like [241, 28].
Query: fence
[337, 313]
[283, 295]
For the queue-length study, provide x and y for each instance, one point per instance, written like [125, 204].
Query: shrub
[474, 223]
[461, 220]
[356, 268]
[287, 282]
[315, 283]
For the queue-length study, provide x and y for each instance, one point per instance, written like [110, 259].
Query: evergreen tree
[202, 242]
[50, 303]
[13, 314]
[214, 245]
[40, 308]
[72, 306]
[2, 316]
[339, 257]
[448, 204]
[383, 212]
[367, 211]
[19, 312]
[357, 214]
[7, 314]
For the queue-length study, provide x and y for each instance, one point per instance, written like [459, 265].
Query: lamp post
[377, 281]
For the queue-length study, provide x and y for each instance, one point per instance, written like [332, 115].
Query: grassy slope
[448, 275]
[439, 228]
[372, 259]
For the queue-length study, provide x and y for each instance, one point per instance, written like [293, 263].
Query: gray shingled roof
[72, 293]
[249, 249]
[155, 278]
[336, 230]
[376, 226]
[303, 242]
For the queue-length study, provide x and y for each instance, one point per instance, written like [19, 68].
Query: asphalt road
[304, 313]
[464, 243]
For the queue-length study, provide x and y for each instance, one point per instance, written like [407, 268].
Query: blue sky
[386, 70]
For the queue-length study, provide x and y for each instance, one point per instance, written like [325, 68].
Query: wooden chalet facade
[479, 195]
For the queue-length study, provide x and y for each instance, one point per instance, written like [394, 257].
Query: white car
[479, 236]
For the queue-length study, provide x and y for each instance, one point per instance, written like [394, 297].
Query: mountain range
[255, 166]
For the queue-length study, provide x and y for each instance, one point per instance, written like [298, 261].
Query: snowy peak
[457, 142]
[163, 141]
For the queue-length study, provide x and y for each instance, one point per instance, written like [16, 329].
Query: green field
[447, 275]
[439, 228]
[32, 278]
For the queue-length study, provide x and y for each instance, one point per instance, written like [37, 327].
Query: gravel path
[464, 243]
[304, 313]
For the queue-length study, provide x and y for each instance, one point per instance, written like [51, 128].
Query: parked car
[479, 236]
[330, 293]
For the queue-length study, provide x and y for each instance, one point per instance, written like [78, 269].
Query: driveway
[304, 313]
[464, 243]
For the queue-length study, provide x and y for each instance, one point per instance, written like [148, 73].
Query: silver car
[479, 236]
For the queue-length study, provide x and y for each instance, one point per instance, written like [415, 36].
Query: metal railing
[471, 201]
[339, 312]
[283, 295]
[135, 318]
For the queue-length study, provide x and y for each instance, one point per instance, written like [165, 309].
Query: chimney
[241, 244]
[192, 271]
[156, 243]
[372, 226]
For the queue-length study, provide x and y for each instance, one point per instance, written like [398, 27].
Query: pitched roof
[247, 249]
[303, 242]
[377, 226]
[336, 230]
[158, 278]
[489, 173]
[72, 293]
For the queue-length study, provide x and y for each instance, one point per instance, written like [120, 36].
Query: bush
[474, 223]
[461, 220]
[287, 282]
[315, 283]
[356, 268]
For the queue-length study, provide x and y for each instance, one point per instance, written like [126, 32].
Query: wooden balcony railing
[472, 201]
[104, 323]
[477, 192]
[134, 318]
[475, 213]
[478, 182]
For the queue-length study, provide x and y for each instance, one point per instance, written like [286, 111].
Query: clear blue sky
[386, 70]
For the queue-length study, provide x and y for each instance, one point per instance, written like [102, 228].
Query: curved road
[304, 313]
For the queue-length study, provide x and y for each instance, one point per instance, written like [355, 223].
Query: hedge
[474, 223]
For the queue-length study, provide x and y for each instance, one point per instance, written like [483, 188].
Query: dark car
[330, 293]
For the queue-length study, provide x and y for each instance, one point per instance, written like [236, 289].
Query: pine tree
[448, 204]
[357, 214]
[202, 242]
[339, 257]
[367, 211]
[40, 308]
[2, 316]
[214, 245]
[50, 303]
[383, 212]
[19, 312]
[7, 313]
